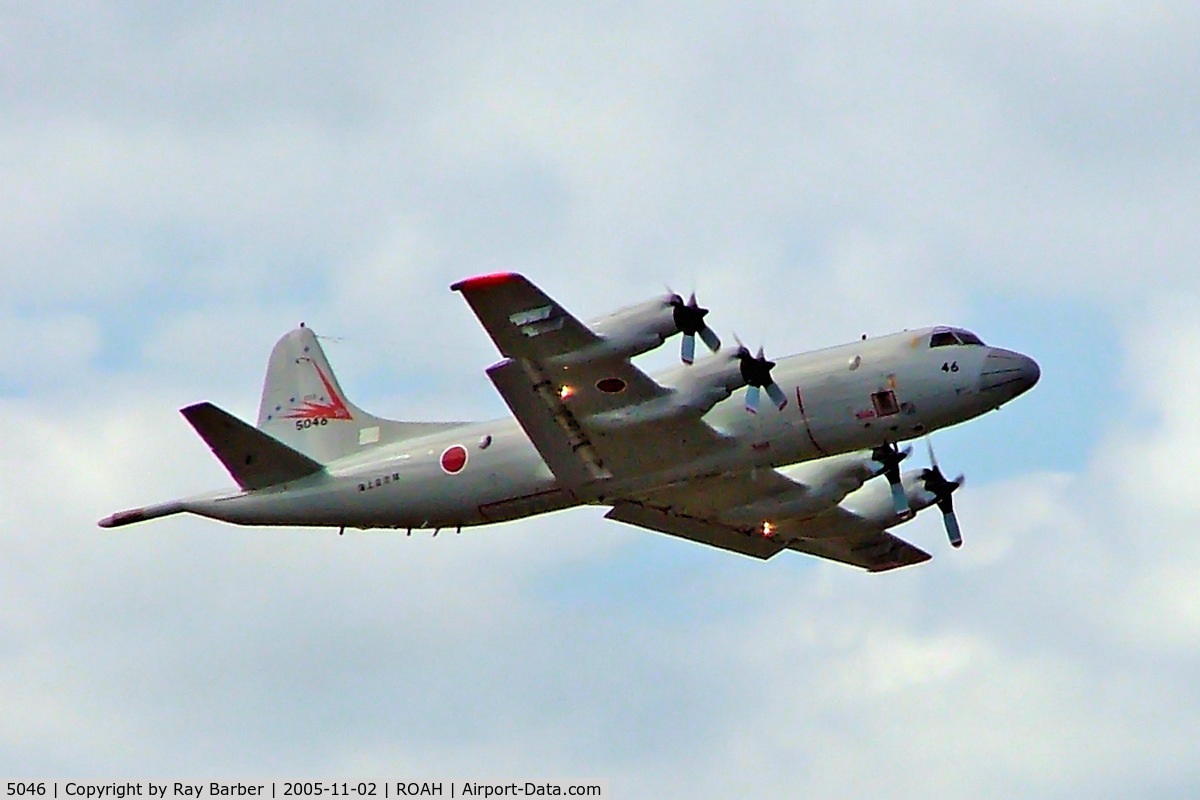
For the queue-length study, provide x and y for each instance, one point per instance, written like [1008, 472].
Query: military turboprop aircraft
[676, 454]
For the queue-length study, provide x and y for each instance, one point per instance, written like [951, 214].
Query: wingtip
[485, 281]
[911, 557]
[189, 411]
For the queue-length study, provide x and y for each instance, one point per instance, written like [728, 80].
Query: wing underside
[874, 550]
[696, 529]
[719, 511]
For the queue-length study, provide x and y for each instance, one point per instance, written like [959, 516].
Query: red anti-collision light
[484, 281]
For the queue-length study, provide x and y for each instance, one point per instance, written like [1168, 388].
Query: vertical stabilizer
[304, 407]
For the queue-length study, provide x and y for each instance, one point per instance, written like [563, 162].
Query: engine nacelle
[627, 333]
[873, 502]
[825, 483]
[695, 391]
[832, 479]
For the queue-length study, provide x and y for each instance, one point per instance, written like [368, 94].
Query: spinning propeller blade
[890, 456]
[776, 394]
[952, 529]
[943, 490]
[752, 399]
[687, 350]
[756, 372]
[689, 320]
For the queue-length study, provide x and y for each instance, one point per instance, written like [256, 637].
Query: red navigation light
[484, 281]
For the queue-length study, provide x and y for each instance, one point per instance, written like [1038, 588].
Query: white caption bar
[298, 790]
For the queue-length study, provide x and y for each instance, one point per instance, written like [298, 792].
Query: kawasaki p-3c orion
[677, 453]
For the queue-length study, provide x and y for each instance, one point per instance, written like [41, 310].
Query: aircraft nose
[1006, 374]
[1031, 373]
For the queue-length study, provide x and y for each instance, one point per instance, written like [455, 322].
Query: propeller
[756, 372]
[689, 319]
[890, 456]
[943, 490]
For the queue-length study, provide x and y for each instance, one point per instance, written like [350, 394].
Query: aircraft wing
[553, 397]
[522, 320]
[859, 543]
[712, 510]
[697, 529]
[527, 325]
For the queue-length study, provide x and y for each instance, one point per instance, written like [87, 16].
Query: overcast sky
[184, 183]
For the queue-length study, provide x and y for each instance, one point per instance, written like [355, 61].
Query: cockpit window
[942, 339]
[946, 337]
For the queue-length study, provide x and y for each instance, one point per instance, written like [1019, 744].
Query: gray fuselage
[841, 399]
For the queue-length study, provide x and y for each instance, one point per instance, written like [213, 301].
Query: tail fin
[304, 407]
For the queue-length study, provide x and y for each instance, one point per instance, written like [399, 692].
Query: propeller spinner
[943, 490]
[689, 319]
[756, 372]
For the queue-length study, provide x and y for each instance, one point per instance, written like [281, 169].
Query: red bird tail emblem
[335, 408]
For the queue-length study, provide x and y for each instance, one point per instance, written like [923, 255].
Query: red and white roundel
[454, 458]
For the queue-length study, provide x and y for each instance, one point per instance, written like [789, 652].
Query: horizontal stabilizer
[254, 459]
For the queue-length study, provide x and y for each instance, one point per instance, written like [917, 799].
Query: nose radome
[1007, 374]
[1030, 373]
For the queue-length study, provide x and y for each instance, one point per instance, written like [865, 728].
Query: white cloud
[1022, 662]
[45, 349]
